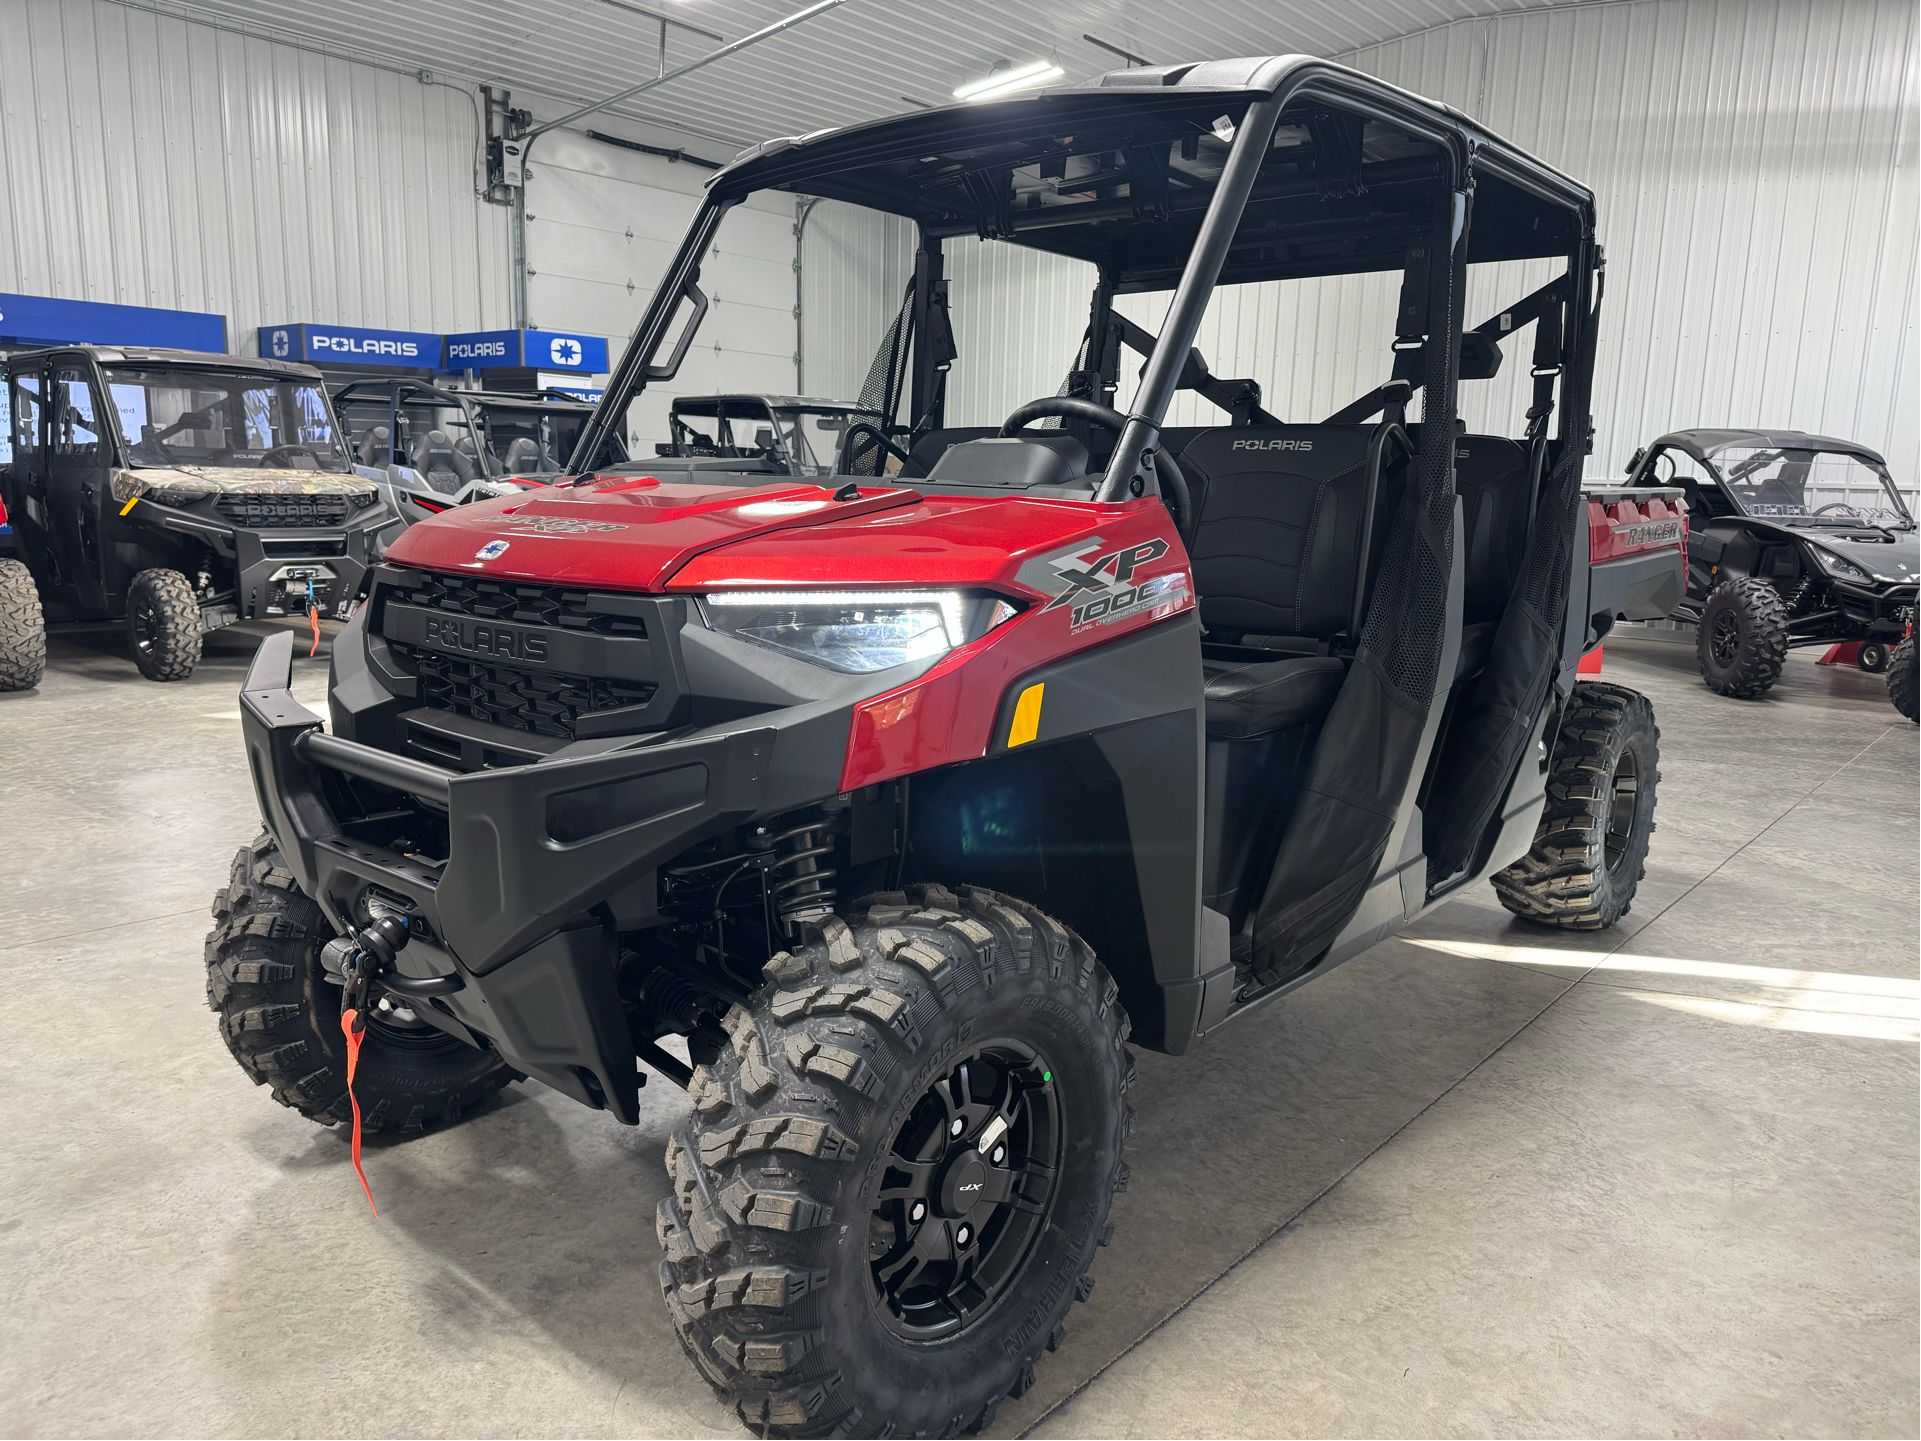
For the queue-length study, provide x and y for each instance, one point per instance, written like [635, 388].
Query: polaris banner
[350, 345]
[527, 350]
[35, 319]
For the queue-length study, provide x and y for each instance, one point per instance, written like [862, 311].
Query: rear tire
[163, 624]
[23, 629]
[1903, 681]
[280, 1015]
[1590, 850]
[802, 1280]
[1742, 641]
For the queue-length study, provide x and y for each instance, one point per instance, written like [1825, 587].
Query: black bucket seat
[1280, 515]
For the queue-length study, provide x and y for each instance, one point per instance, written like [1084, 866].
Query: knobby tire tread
[768, 1171]
[1563, 880]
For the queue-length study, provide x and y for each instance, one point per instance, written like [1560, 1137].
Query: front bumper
[274, 567]
[1880, 607]
[508, 923]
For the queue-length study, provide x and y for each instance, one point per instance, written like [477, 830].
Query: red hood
[640, 534]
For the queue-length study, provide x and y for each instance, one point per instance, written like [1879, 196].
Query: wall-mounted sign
[31, 319]
[527, 350]
[351, 345]
[558, 384]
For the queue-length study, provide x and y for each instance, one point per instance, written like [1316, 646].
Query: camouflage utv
[177, 491]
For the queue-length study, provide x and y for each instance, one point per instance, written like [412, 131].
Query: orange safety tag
[354, 1038]
[314, 616]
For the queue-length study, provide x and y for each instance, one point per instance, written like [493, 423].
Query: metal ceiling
[866, 59]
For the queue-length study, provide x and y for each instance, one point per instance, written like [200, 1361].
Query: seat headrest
[523, 454]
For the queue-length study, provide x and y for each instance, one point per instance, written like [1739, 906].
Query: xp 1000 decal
[1098, 585]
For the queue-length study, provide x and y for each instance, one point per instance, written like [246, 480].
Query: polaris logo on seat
[1273, 445]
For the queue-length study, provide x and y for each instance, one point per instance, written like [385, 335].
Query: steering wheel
[880, 438]
[1174, 493]
[289, 450]
[267, 458]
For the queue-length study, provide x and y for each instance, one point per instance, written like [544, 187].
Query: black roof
[684, 403]
[159, 355]
[1704, 444]
[1047, 170]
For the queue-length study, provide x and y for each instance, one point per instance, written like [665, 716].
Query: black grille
[270, 512]
[543, 702]
[521, 604]
[538, 701]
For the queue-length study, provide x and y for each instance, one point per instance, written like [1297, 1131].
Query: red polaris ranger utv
[904, 796]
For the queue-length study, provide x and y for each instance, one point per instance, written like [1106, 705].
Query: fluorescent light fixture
[1002, 82]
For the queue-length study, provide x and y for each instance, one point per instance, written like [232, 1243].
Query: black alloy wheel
[1724, 640]
[969, 1182]
[1623, 809]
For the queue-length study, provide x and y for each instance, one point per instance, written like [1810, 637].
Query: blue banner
[27, 319]
[351, 345]
[527, 350]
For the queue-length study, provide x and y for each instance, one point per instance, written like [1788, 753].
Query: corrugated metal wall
[1756, 168]
[1755, 163]
[603, 223]
[150, 160]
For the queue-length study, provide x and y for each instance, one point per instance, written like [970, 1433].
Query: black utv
[903, 805]
[1793, 540]
[435, 448]
[772, 434]
[178, 491]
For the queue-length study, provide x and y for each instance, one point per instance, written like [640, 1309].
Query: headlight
[180, 492]
[1835, 565]
[854, 631]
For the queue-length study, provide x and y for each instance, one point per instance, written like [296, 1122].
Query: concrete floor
[1484, 1180]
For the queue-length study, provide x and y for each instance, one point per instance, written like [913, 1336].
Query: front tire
[23, 630]
[163, 624]
[1903, 682]
[1590, 850]
[899, 1170]
[1742, 641]
[280, 1015]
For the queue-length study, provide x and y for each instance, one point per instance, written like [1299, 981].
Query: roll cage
[1707, 449]
[1178, 177]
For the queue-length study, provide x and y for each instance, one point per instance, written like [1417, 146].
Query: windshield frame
[401, 393]
[1726, 481]
[233, 379]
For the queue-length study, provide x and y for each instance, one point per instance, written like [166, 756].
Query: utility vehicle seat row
[1275, 549]
[1491, 477]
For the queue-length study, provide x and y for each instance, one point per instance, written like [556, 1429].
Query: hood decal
[238, 480]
